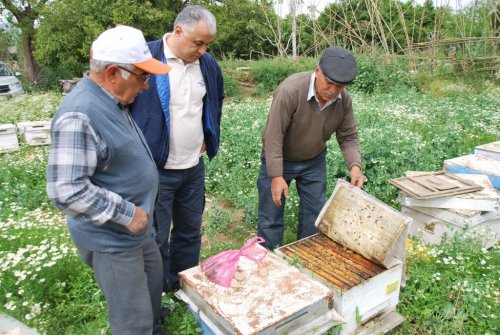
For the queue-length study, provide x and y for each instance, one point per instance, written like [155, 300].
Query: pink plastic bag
[221, 267]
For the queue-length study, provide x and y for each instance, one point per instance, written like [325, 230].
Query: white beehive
[360, 255]
[273, 297]
[475, 213]
[8, 138]
[35, 132]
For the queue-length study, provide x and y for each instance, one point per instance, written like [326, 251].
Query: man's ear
[178, 31]
[111, 73]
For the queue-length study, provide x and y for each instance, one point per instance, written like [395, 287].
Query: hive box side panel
[360, 288]
[376, 296]
[433, 229]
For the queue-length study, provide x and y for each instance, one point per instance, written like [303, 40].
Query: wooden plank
[466, 204]
[488, 205]
[434, 184]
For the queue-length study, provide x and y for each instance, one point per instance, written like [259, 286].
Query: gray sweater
[99, 169]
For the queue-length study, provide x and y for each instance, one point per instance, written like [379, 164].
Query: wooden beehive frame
[331, 262]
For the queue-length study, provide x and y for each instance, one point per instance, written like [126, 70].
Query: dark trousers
[310, 178]
[179, 211]
[132, 285]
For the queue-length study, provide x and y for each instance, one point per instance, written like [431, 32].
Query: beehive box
[273, 298]
[474, 164]
[491, 150]
[35, 132]
[485, 226]
[359, 255]
[8, 138]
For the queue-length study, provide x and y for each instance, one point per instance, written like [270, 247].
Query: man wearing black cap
[307, 109]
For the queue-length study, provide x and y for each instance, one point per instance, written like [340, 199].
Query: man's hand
[278, 187]
[139, 221]
[357, 178]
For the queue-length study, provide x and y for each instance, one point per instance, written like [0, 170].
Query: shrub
[268, 73]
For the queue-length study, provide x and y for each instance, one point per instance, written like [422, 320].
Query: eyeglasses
[143, 76]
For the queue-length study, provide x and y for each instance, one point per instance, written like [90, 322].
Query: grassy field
[451, 289]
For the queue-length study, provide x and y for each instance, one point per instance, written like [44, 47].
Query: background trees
[57, 34]
[24, 14]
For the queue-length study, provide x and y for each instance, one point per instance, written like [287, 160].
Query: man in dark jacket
[180, 118]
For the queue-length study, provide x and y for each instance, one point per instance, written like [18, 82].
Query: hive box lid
[362, 223]
[491, 150]
[271, 294]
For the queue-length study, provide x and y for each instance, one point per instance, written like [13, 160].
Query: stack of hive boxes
[448, 205]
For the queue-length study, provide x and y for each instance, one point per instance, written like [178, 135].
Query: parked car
[10, 85]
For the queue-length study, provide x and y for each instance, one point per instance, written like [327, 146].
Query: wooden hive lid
[270, 293]
[360, 222]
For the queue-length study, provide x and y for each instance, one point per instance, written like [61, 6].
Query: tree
[68, 28]
[240, 28]
[24, 14]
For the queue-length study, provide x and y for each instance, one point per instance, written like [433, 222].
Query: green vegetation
[54, 37]
[451, 289]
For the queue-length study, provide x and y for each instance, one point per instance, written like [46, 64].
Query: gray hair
[191, 15]
[99, 65]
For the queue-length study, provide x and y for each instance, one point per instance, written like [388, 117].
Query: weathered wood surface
[429, 185]
[267, 295]
[467, 205]
[362, 223]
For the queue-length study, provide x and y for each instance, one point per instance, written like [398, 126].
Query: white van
[10, 85]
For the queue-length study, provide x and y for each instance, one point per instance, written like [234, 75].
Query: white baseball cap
[126, 45]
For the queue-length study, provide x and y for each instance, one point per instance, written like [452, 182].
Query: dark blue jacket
[154, 119]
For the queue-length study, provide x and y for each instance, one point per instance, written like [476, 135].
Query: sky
[283, 7]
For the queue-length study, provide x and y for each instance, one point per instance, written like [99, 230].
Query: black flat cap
[338, 65]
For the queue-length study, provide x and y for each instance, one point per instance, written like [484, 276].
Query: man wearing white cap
[102, 175]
